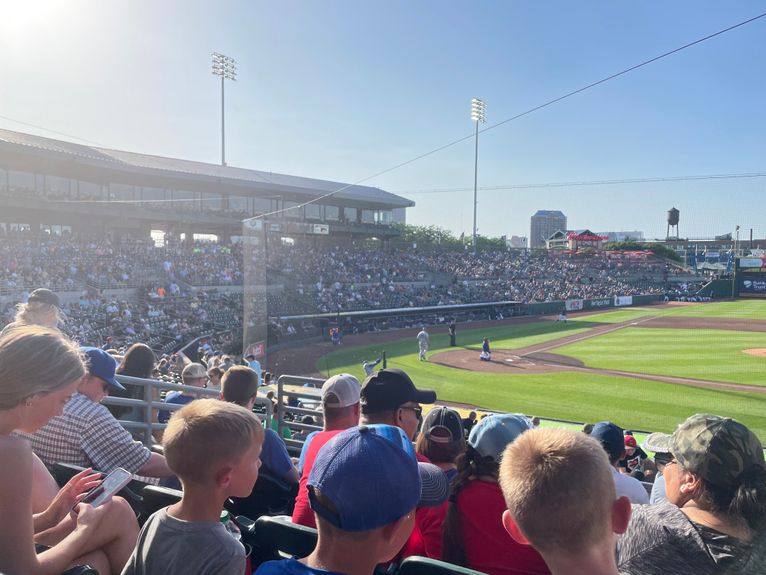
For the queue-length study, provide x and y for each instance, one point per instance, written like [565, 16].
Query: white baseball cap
[341, 390]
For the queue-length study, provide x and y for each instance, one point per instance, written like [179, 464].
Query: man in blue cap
[88, 435]
[363, 488]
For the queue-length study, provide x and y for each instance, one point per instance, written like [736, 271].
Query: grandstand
[82, 186]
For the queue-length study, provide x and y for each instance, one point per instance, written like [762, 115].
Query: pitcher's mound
[758, 351]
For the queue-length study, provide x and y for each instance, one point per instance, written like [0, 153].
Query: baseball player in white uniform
[423, 343]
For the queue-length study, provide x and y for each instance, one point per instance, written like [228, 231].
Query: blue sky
[342, 89]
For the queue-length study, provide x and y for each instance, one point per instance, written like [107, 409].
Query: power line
[585, 183]
[52, 131]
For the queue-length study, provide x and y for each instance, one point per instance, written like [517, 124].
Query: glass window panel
[90, 191]
[263, 205]
[332, 213]
[313, 212]
[57, 187]
[186, 201]
[368, 216]
[21, 181]
[351, 214]
[121, 192]
[211, 202]
[293, 213]
[239, 204]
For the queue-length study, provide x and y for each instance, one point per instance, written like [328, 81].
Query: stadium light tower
[478, 114]
[226, 68]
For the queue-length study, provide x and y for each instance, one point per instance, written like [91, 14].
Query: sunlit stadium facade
[58, 186]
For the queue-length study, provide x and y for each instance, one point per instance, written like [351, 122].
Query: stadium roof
[117, 159]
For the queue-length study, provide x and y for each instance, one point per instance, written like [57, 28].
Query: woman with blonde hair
[39, 370]
[43, 308]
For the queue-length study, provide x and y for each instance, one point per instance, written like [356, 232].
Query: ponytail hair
[745, 500]
[470, 466]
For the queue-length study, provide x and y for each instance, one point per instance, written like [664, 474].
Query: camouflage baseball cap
[718, 449]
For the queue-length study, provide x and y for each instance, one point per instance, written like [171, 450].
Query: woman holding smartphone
[39, 370]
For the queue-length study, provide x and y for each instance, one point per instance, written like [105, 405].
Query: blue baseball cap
[102, 365]
[368, 479]
[495, 432]
[611, 437]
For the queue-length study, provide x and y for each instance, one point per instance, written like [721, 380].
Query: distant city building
[519, 242]
[623, 236]
[574, 240]
[543, 225]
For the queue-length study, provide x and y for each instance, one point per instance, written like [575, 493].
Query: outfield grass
[740, 309]
[702, 354]
[620, 315]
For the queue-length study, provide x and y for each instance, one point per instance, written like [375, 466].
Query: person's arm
[44, 487]
[292, 476]
[17, 551]
[157, 466]
[65, 499]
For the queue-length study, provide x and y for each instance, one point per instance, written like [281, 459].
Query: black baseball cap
[387, 389]
[43, 295]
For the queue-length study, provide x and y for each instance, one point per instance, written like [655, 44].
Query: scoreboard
[751, 277]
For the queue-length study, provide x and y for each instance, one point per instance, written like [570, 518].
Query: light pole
[734, 261]
[226, 68]
[478, 114]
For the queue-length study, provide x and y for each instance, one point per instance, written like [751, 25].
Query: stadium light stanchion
[478, 114]
[226, 68]
[734, 261]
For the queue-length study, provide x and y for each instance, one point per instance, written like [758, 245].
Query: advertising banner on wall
[603, 302]
[620, 300]
[574, 304]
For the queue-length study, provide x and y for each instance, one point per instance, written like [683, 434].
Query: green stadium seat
[277, 537]
[424, 566]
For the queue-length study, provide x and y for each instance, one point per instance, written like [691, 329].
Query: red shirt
[302, 513]
[488, 547]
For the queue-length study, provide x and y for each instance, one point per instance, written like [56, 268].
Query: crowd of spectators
[170, 306]
[499, 495]
[165, 324]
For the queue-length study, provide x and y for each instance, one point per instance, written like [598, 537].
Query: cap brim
[115, 384]
[434, 486]
[425, 396]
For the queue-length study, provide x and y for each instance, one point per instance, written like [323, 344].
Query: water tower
[673, 215]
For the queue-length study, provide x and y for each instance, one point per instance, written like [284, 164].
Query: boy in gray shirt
[214, 448]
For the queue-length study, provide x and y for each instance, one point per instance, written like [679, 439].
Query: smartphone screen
[111, 485]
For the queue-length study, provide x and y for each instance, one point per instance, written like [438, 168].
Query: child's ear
[223, 477]
[513, 529]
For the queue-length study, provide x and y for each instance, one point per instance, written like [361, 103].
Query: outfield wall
[570, 305]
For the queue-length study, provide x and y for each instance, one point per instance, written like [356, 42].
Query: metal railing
[151, 401]
[309, 395]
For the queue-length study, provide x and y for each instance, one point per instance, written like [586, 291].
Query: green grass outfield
[699, 353]
[632, 403]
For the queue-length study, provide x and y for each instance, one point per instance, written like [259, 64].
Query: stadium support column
[255, 317]
[478, 114]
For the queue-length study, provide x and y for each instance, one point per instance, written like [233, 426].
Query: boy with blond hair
[561, 499]
[214, 448]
